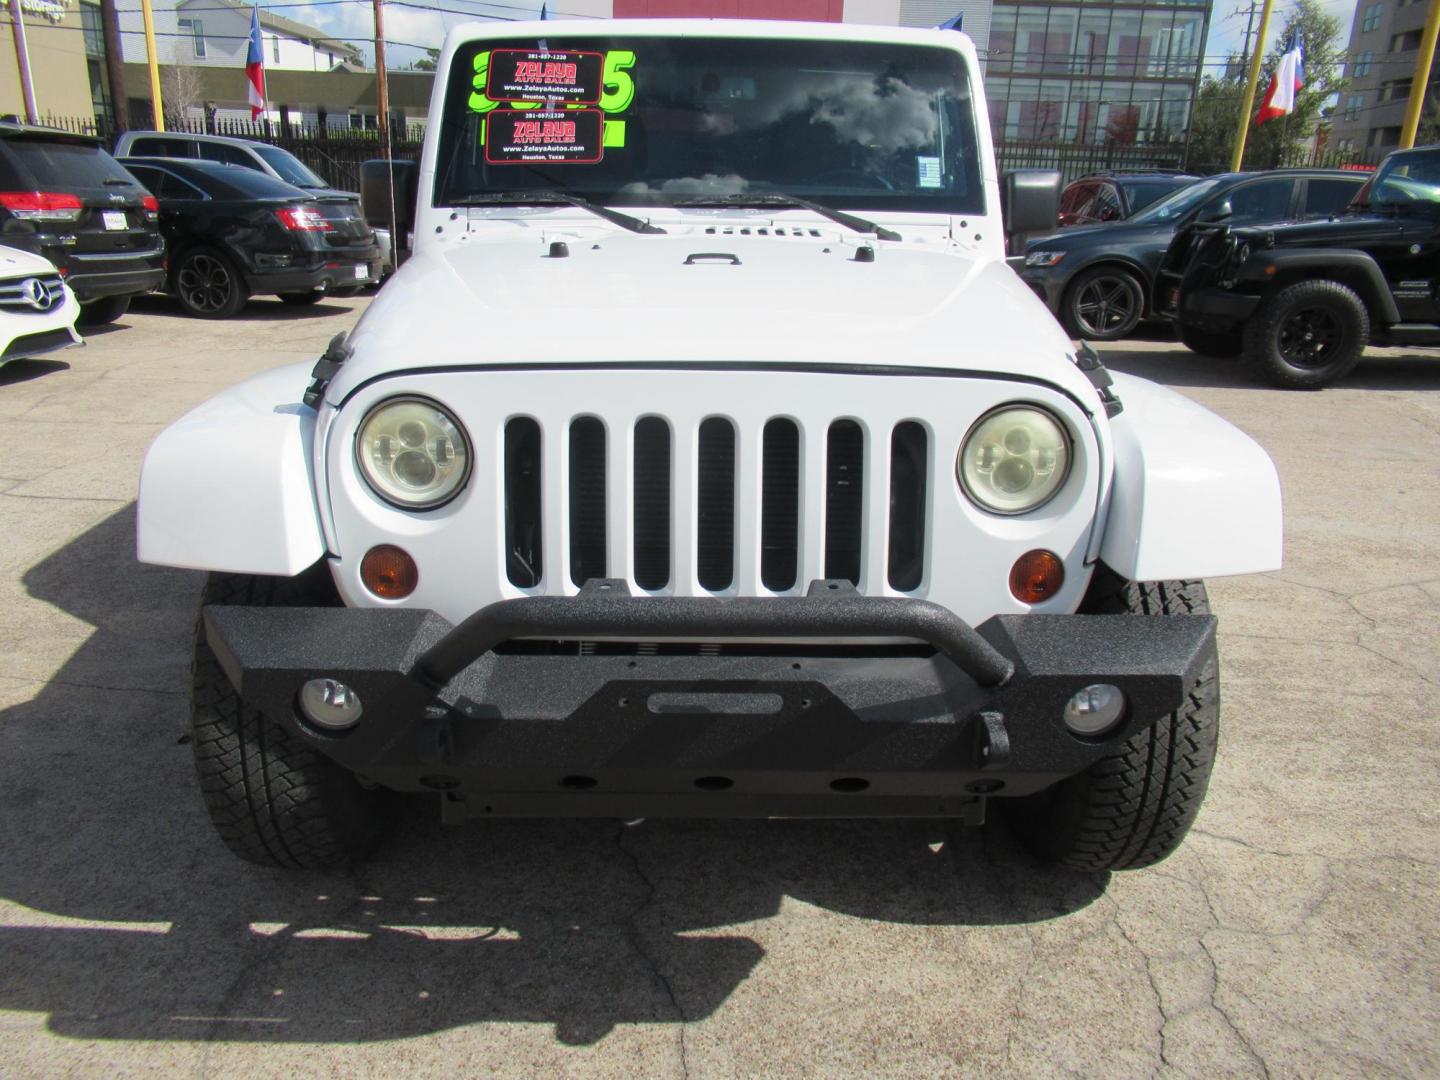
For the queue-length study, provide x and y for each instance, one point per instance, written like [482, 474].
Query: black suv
[62, 196]
[1098, 279]
[1301, 300]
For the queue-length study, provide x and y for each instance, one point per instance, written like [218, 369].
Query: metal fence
[336, 153]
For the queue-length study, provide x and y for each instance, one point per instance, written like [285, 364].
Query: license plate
[115, 219]
[362, 272]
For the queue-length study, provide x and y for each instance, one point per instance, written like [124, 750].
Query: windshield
[1405, 179]
[655, 121]
[1176, 205]
[290, 168]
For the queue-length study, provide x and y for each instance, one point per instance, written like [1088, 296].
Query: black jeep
[1301, 300]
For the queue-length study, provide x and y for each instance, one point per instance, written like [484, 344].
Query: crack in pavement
[637, 942]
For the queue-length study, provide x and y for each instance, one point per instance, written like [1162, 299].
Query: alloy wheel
[1104, 304]
[204, 282]
[1309, 338]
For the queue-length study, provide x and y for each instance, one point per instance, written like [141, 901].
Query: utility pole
[1421, 82]
[1249, 103]
[1249, 13]
[114, 65]
[22, 61]
[382, 90]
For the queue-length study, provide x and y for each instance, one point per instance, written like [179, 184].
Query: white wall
[227, 35]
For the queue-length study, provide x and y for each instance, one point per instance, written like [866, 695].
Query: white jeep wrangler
[706, 459]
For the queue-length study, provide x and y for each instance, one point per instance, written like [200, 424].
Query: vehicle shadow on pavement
[1415, 371]
[127, 919]
[259, 309]
[24, 369]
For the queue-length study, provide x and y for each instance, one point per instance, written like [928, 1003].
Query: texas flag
[1289, 80]
[255, 66]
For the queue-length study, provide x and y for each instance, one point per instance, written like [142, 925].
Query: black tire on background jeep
[1212, 343]
[1104, 303]
[1308, 334]
[303, 299]
[1132, 808]
[273, 799]
[105, 310]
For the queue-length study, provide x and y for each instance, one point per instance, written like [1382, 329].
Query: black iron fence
[336, 153]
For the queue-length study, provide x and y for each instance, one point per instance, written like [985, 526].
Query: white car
[37, 308]
[706, 459]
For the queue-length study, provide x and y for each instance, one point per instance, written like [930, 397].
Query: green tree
[1276, 142]
[426, 62]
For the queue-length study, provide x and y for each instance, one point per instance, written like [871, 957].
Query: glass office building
[1121, 74]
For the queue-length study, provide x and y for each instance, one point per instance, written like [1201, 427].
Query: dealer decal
[501, 72]
[525, 75]
[513, 136]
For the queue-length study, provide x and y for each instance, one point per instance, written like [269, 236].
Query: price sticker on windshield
[525, 75]
[517, 137]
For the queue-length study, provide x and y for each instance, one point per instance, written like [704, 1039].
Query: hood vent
[760, 230]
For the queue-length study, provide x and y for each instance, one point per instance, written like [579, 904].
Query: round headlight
[412, 453]
[1014, 459]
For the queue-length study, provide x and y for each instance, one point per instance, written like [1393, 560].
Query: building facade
[1118, 74]
[55, 42]
[1384, 45]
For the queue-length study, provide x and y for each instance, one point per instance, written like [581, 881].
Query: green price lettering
[478, 101]
[618, 89]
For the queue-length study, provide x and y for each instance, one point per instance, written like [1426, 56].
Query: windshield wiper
[548, 195]
[780, 198]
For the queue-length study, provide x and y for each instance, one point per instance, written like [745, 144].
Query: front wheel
[1103, 304]
[1308, 334]
[273, 799]
[105, 310]
[208, 285]
[1133, 807]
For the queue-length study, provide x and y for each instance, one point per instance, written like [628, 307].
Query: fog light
[389, 572]
[329, 704]
[1095, 710]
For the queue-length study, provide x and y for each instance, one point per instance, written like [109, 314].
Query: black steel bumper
[328, 271]
[762, 731]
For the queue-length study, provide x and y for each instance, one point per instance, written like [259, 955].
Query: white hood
[14, 262]
[626, 298]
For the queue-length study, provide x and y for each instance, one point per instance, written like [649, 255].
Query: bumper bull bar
[770, 730]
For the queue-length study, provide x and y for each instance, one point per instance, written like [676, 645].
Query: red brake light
[42, 205]
[151, 204]
[302, 219]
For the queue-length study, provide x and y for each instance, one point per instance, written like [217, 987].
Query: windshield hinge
[335, 354]
[1088, 361]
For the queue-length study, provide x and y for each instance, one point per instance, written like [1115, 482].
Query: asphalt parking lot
[1295, 934]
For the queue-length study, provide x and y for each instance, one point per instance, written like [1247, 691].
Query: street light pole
[1245, 109]
[159, 105]
[1421, 82]
[22, 61]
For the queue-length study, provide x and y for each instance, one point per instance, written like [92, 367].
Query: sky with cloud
[1227, 34]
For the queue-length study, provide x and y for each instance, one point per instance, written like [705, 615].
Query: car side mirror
[388, 186]
[1218, 211]
[1030, 200]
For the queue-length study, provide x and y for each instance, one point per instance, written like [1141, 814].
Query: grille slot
[652, 503]
[50, 293]
[780, 505]
[715, 494]
[587, 499]
[908, 477]
[524, 564]
[844, 499]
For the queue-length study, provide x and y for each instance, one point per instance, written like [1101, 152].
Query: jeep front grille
[713, 497]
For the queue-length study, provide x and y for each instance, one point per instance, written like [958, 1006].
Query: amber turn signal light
[390, 573]
[1036, 576]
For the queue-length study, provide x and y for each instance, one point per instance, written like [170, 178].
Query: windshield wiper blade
[780, 198]
[549, 195]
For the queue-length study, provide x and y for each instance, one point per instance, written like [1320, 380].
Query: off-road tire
[303, 299]
[105, 310]
[208, 284]
[1121, 286]
[1330, 301]
[1132, 808]
[1212, 343]
[273, 800]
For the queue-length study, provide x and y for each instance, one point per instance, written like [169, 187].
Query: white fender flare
[230, 485]
[1193, 496]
